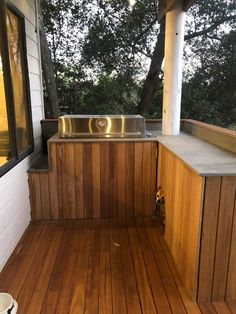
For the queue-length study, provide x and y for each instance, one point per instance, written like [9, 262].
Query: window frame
[9, 93]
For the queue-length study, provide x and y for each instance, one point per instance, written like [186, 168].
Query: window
[16, 138]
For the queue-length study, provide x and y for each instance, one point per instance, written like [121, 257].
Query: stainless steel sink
[101, 126]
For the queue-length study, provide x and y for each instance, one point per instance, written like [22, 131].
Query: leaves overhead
[100, 35]
[102, 49]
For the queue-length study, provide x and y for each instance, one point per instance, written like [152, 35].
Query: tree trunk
[51, 106]
[153, 78]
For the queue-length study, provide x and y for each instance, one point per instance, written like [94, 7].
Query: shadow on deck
[98, 266]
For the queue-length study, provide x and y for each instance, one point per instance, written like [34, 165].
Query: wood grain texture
[105, 290]
[31, 185]
[87, 180]
[182, 190]
[95, 180]
[96, 177]
[216, 135]
[223, 238]
[45, 195]
[110, 266]
[54, 209]
[217, 271]
[104, 187]
[138, 178]
[59, 179]
[208, 237]
[35, 195]
[147, 162]
[79, 182]
[231, 283]
[129, 181]
[200, 228]
[117, 278]
[121, 180]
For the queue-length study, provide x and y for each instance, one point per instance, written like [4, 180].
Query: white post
[174, 41]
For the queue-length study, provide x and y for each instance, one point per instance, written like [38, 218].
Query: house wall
[14, 195]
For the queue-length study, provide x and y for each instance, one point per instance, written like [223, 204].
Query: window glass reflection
[5, 151]
[16, 51]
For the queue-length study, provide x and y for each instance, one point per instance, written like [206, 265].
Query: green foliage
[210, 95]
[109, 95]
[101, 51]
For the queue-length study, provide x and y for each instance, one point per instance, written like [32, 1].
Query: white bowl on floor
[7, 304]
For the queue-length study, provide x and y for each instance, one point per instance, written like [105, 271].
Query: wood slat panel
[35, 196]
[59, 179]
[45, 195]
[87, 180]
[96, 173]
[121, 181]
[231, 283]
[182, 190]
[113, 171]
[52, 177]
[153, 172]
[138, 178]
[31, 183]
[208, 239]
[96, 180]
[79, 181]
[104, 187]
[223, 239]
[68, 180]
[129, 179]
[147, 154]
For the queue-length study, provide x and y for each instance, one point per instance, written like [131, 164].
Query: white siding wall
[14, 195]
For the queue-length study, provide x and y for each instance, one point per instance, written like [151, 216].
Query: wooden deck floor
[99, 266]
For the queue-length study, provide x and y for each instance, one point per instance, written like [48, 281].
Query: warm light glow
[108, 125]
[4, 136]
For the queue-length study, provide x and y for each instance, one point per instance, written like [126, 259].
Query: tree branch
[210, 28]
[153, 79]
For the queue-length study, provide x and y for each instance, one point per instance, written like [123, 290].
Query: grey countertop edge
[55, 139]
[198, 172]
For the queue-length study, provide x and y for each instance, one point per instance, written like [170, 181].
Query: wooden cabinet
[96, 180]
[200, 227]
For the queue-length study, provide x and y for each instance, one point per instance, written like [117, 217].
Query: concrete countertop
[202, 157]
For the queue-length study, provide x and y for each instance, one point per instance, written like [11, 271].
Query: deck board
[99, 266]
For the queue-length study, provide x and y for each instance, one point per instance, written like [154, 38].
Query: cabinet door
[145, 172]
[66, 180]
[109, 179]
